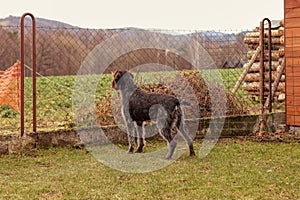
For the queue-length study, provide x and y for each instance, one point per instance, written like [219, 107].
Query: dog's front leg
[130, 136]
[129, 124]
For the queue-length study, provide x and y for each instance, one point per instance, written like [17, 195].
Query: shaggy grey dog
[139, 106]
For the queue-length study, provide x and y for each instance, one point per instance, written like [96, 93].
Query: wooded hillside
[60, 51]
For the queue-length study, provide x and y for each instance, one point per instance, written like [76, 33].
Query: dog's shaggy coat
[139, 106]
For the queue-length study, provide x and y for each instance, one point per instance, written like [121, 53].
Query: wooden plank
[292, 69]
[290, 54]
[293, 120]
[292, 42]
[293, 102]
[291, 75]
[291, 85]
[292, 12]
[292, 31]
[289, 80]
[292, 23]
[245, 72]
[293, 115]
[292, 72]
[292, 98]
[290, 123]
[287, 98]
[293, 111]
[292, 91]
[294, 81]
[290, 49]
[294, 62]
[291, 4]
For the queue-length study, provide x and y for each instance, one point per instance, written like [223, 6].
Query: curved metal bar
[262, 64]
[23, 71]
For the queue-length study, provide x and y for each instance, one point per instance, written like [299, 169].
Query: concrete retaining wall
[233, 126]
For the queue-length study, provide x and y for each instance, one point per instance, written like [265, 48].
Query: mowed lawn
[235, 169]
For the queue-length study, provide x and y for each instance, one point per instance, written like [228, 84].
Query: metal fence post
[262, 68]
[23, 72]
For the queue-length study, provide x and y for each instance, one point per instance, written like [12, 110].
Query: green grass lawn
[235, 169]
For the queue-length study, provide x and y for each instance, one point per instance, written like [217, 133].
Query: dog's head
[118, 77]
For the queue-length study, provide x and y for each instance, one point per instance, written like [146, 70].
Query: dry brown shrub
[108, 110]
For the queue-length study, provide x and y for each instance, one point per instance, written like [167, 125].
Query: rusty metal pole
[23, 72]
[270, 63]
[262, 69]
[34, 74]
[22, 76]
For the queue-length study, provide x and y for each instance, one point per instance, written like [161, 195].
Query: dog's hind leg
[140, 137]
[180, 127]
[166, 133]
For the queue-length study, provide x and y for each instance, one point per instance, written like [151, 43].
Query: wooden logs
[277, 40]
[274, 33]
[276, 54]
[255, 76]
[252, 78]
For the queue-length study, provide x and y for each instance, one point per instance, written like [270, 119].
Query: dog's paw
[192, 153]
[139, 151]
[130, 150]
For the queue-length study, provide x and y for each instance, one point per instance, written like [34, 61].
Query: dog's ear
[116, 75]
[113, 84]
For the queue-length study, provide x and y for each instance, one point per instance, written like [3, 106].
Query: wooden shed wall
[292, 53]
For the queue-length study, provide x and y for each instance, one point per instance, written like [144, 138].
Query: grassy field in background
[235, 169]
[54, 97]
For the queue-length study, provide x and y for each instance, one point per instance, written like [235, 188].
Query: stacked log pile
[252, 79]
